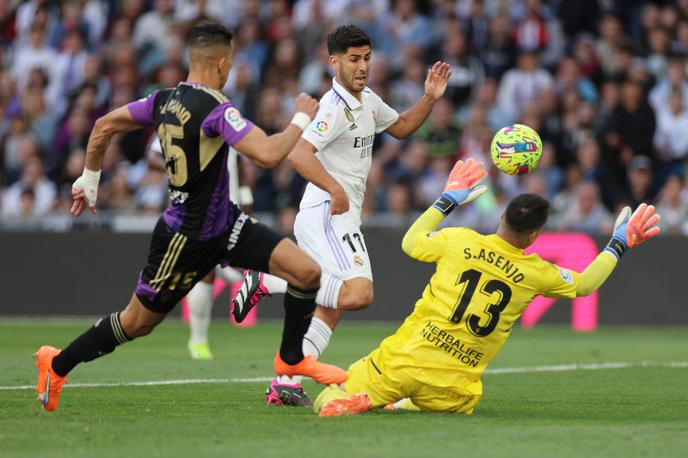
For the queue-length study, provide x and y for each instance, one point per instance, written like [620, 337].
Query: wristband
[616, 247]
[301, 120]
[245, 195]
[91, 177]
[444, 204]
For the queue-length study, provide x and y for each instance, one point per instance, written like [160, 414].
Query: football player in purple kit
[196, 123]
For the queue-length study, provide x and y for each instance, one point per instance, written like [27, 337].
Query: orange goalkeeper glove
[633, 229]
[462, 186]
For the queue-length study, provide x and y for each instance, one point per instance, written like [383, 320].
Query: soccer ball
[516, 149]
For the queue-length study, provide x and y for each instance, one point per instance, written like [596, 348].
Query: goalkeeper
[480, 288]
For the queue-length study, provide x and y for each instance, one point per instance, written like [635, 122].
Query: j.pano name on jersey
[366, 144]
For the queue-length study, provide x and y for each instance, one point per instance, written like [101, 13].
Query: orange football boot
[311, 367]
[49, 383]
[352, 405]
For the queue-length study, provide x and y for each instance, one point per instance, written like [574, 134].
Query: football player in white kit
[334, 155]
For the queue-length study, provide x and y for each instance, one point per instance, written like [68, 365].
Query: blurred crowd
[603, 81]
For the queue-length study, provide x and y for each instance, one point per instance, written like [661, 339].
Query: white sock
[328, 294]
[314, 343]
[274, 284]
[200, 305]
[230, 274]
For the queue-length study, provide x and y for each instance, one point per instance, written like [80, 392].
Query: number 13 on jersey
[496, 289]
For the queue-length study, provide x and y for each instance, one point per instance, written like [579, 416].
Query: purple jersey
[195, 125]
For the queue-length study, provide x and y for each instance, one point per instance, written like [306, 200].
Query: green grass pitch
[534, 406]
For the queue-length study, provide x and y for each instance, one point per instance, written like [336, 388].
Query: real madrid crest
[349, 114]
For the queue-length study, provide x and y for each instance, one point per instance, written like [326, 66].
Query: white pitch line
[149, 383]
[497, 371]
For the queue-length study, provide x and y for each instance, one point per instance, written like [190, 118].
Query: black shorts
[176, 262]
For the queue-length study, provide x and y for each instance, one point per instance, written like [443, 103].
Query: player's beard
[354, 85]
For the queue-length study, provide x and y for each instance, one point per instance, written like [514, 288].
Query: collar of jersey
[351, 102]
[506, 245]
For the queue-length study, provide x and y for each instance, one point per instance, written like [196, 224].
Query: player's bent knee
[357, 300]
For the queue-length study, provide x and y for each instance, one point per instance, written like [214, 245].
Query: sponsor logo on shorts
[234, 119]
[566, 275]
[321, 128]
[236, 230]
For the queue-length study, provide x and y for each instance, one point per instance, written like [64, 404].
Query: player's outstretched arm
[462, 187]
[411, 120]
[630, 230]
[268, 150]
[303, 159]
[85, 188]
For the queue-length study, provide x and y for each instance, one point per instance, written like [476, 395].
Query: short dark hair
[526, 213]
[345, 37]
[209, 34]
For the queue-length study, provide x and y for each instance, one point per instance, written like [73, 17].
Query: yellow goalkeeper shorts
[391, 386]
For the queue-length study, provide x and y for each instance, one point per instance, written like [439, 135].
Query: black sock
[99, 340]
[299, 305]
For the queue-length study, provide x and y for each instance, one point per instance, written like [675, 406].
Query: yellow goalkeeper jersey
[480, 288]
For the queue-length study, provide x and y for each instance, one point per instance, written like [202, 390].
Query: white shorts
[335, 241]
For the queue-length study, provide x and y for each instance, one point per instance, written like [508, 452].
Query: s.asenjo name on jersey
[234, 119]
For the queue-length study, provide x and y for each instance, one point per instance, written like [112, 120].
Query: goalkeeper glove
[461, 186]
[633, 229]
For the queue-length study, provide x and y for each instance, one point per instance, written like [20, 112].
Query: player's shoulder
[455, 234]
[332, 100]
[461, 231]
[215, 95]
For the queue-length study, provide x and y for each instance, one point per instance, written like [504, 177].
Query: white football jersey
[343, 132]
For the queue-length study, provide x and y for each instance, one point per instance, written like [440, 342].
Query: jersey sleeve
[558, 282]
[325, 127]
[431, 247]
[385, 115]
[141, 111]
[226, 121]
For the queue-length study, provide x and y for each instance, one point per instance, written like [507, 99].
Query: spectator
[409, 88]
[285, 64]
[640, 181]
[522, 85]
[441, 132]
[152, 34]
[467, 71]
[35, 188]
[611, 40]
[670, 138]
[497, 56]
[631, 125]
[587, 214]
[673, 207]
[35, 54]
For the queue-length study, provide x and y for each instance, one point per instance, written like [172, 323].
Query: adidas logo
[353, 126]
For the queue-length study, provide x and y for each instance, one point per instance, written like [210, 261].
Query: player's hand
[85, 192]
[340, 202]
[462, 184]
[632, 229]
[436, 81]
[306, 104]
